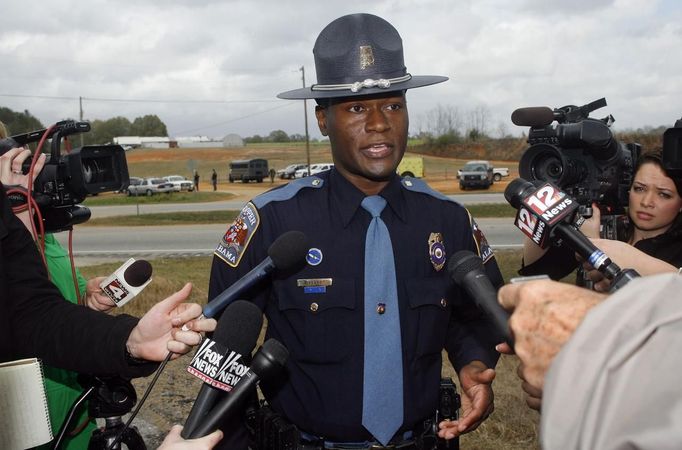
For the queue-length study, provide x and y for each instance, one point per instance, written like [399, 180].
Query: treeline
[101, 131]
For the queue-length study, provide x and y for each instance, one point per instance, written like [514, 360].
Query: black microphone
[268, 361]
[127, 281]
[235, 335]
[546, 214]
[466, 269]
[534, 116]
[287, 252]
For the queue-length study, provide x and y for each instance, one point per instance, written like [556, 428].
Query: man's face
[368, 136]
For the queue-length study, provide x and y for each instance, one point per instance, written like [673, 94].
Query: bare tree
[443, 120]
[477, 125]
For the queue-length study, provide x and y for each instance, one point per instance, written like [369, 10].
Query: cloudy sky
[212, 67]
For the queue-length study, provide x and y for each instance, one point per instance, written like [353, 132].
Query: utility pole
[80, 103]
[305, 116]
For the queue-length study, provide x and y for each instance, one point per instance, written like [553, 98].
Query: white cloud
[499, 54]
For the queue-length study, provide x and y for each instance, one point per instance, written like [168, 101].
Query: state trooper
[367, 317]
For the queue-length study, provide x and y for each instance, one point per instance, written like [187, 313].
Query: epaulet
[417, 185]
[288, 191]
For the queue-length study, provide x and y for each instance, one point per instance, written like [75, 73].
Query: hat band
[383, 83]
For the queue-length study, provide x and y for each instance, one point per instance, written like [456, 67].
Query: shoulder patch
[417, 185]
[484, 249]
[287, 191]
[238, 235]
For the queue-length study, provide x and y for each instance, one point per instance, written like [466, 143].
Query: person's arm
[627, 257]
[544, 316]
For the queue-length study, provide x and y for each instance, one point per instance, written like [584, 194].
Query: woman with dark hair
[654, 227]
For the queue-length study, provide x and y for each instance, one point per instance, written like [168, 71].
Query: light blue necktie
[382, 396]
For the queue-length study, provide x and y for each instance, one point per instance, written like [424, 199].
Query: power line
[287, 104]
[137, 100]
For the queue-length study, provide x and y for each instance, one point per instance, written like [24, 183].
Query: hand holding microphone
[546, 214]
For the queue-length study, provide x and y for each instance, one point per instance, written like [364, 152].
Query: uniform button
[314, 307]
[443, 302]
[381, 308]
[316, 182]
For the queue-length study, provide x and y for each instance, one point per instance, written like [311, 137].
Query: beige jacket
[617, 384]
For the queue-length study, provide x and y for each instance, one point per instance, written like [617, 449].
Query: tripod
[109, 399]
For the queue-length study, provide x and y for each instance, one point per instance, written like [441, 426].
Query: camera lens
[542, 162]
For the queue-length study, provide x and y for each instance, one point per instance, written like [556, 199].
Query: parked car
[133, 181]
[288, 172]
[180, 183]
[314, 169]
[476, 174]
[151, 186]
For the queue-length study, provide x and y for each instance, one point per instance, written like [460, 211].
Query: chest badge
[436, 251]
[314, 256]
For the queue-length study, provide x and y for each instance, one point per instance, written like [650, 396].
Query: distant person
[272, 175]
[196, 181]
[214, 180]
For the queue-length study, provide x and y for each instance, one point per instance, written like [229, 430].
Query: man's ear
[321, 114]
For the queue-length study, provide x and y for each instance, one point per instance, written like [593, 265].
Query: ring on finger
[17, 172]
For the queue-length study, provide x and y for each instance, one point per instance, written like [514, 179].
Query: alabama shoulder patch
[484, 250]
[238, 235]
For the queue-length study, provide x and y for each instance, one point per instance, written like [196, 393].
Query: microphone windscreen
[138, 273]
[463, 262]
[289, 250]
[516, 190]
[533, 116]
[276, 351]
[239, 327]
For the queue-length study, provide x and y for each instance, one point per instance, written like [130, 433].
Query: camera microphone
[534, 116]
[545, 215]
[127, 281]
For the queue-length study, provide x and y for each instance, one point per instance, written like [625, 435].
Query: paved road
[108, 211]
[195, 240]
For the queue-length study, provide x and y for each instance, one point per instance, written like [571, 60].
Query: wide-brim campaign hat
[359, 54]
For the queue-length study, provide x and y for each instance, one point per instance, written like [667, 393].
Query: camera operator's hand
[591, 226]
[160, 329]
[173, 441]
[545, 315]
[11, 175]
[11, 167]
[95, 297]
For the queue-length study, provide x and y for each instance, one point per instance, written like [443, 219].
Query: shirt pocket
[429, 313]
[324, 324]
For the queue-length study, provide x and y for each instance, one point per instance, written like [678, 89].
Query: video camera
[579, 154]
[672, 150]
[68, 179]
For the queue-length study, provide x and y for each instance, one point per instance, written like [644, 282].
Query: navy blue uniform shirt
[317, 313]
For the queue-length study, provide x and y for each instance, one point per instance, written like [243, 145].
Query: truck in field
[411, 166]
[498, 172]
[247, 170]
[476, 174]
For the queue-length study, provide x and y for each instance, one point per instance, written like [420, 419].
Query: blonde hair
[3, 131]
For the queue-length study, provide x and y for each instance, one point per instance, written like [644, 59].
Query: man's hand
[545, 315]
[475, 380]
[95, 297]
[160, 329]
[173, 441]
